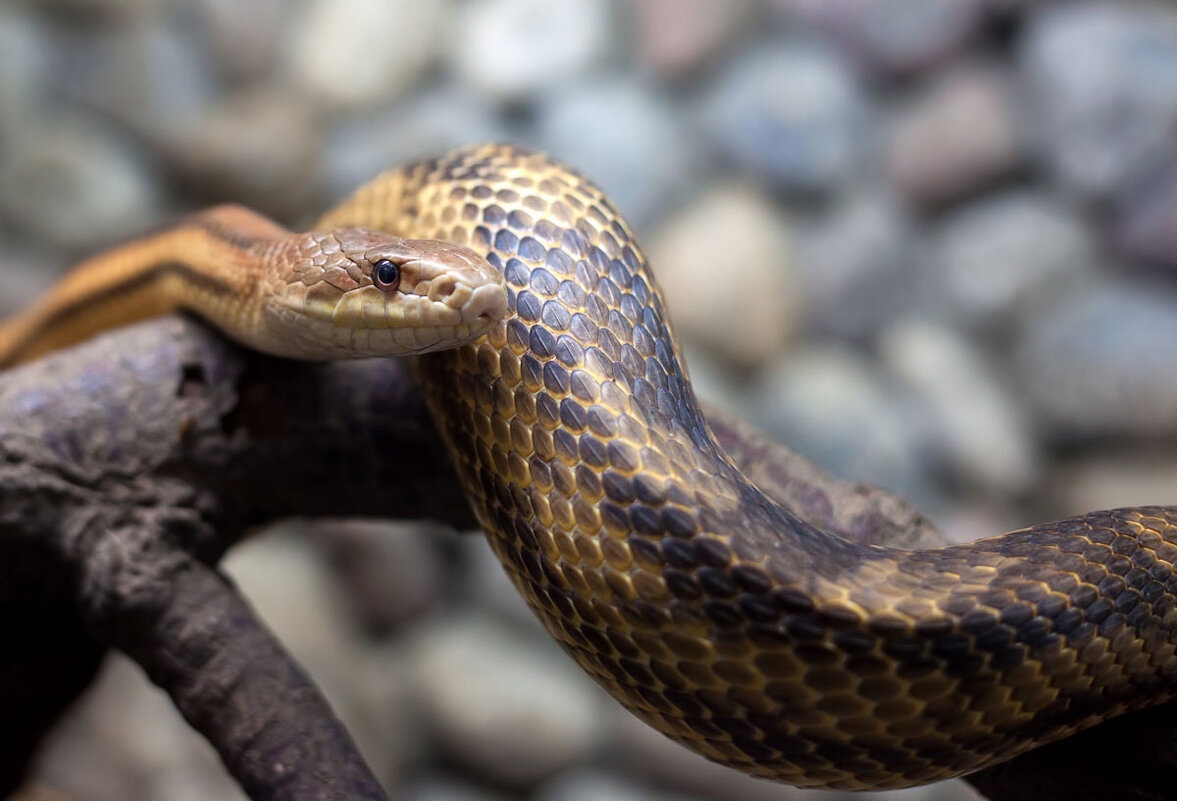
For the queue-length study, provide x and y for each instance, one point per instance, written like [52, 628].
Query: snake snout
[487, 302]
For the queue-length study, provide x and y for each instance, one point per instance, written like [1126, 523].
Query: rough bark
[128, 467]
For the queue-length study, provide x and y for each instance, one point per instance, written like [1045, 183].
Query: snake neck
[202, 262]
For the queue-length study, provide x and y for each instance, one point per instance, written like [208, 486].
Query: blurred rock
[513, 48]
[391, 572]
[36, 792]
[25, 274]
[675, 37]
[125, 740]
[361, 146]
[726, 267]
[1012, 7]
[445, 789]
[24, 69]
[1113, 479]
[835, 409]
[1147, 221]
[1104, 77]
[76, 184]
[119, 10]
[245, 39]
[260, 149]
[791, 114]
[958, 137]
[893, 37]
[356, 53]
[858, 264]
[1104, 361]
[146, 76]
[1000, 255]
[979, 431]
[597, 786]
[977, 517]
[951, 790]
[512, 710]
[629, 140]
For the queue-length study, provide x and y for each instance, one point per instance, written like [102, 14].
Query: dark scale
[794, 654]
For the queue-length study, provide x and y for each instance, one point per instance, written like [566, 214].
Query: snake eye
[386, 275]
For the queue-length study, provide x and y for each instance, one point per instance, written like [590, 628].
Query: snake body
[705, 608]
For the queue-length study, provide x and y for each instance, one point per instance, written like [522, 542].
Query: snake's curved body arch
[705, 608]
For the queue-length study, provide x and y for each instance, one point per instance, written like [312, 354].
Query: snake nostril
[486, 303]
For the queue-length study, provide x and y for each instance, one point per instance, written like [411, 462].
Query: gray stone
[858, 264]
[441, 788]
[391, 572]
[124, 740]
[627, 138]
[893, 37]
[25, 274]
[1104, 77]
[24, 68]
[676, 37]
[979, 432]
[359, 147]
[514, 48]
[959, 136]
[357, 53]
[119, 10]
[598, 786]
[245, 39]
[261, 149]
[1126, 476]
[998, 257]
[725, 264]
[512, 709]
[146, 76]
[792, 114]
[1147, 219]
[1103, 361]
[835, 409]
[76, 184]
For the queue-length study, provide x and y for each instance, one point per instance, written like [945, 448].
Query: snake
[710, 611]
[343, 292]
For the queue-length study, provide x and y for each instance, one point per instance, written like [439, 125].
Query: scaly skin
[705, 608]
[302, 295]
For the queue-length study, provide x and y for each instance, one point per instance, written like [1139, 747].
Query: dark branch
[130, 465]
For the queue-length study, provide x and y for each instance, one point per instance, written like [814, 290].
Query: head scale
[352, 292]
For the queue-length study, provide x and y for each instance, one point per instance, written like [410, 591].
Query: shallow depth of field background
[930, 244]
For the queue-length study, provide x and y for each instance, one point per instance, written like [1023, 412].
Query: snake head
[356, 292]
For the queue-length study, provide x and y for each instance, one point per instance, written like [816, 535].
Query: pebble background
[928, 243]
